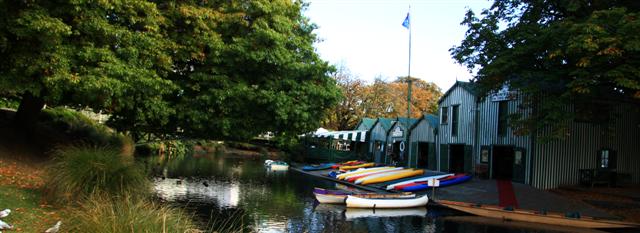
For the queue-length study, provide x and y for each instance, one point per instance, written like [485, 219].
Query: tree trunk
[30, 107]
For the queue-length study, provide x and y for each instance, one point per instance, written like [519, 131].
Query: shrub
[103, 214]
[76, 172]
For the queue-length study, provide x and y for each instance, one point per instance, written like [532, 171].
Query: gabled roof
[407, 122]
[367, 123]
[385, 123]
[432, 119]
[468, 86]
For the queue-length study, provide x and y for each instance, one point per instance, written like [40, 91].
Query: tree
[246, 67]
[424, 97]
[105, 55]
[346, 114]
[560, 51]
[214, 69]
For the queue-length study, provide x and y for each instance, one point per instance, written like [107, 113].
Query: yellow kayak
[344, 175]
[394, 176]
[346, 168]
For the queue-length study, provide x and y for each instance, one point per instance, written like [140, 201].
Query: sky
[368, 38]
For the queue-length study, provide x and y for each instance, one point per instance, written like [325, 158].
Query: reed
[79, 171]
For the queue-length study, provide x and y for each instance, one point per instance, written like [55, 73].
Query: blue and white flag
[406, 22]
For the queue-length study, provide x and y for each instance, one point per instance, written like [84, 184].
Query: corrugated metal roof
[407, 122]
[432, 119]
[366, 123]
[467, 86]
[385, 123]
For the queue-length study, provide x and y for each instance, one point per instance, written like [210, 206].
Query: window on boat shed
[454, 120]
[502, 117]
[444, 115]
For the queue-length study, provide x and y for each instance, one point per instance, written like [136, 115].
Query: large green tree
[209, 69]
[246, 67]
[107, 55]
[580, 52]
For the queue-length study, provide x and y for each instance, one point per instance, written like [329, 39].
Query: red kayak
[400, 187]
[349, 163]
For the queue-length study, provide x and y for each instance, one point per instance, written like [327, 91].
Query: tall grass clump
[104, 214]
[79, 171]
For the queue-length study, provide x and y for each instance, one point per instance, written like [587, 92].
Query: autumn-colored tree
[424, 97]
[346, 114]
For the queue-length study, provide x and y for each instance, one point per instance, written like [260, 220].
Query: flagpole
[409, 70]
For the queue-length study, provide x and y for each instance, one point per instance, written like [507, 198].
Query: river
[225, 191]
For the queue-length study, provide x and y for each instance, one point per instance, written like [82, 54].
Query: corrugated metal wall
[466, 121]
[488, 131]
[558, 162]
[422, 132]
[378, 133]
[391, 139]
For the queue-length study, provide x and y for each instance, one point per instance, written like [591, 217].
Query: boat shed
[423, 141]
[378, 138]
[474, 136]
[457, 128]
[397, 141]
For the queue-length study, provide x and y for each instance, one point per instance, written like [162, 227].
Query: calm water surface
[267, 201]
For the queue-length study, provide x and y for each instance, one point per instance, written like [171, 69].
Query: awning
[352, 135]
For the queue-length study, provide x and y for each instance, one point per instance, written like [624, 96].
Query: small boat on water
[353, 213]
[326, 196]
[318, 167]
[278, 166]
[362, 202]
[573, 220]
[394, 176]
[447, 181]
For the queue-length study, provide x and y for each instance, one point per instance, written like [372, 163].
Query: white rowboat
[357, 202]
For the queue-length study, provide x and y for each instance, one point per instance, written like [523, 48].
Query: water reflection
[268, 201]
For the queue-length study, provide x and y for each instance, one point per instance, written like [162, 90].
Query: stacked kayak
[348, 163]
[422, 185]
[352, 167]
[318, 167]
[421, 179]
[392, 176]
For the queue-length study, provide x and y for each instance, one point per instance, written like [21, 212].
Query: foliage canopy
[213, 69]
[562, 51]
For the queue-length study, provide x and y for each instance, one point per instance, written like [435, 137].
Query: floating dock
[488, 192]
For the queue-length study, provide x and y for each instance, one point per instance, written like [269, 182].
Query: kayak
[353, 178]
[348, 163]
[360, 171]
[346, 168]
[391, 186]
[394, 176]
[317, 167]
[360, 202]
[448, 182]
[400, 187]
[359, 181]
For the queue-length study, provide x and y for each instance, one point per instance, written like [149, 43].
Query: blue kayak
[442, 184]
[317, 167]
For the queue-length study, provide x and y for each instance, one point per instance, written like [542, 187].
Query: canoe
[331, 196]
[376, 176]
[358, 202]
[536, 227]
[346, 168]
[391, 186]
[394, 177]
[353, 213]
[353, 178]
[317, 167]
[552, 218]
[360, 171]
[442, 179]
[442, 184]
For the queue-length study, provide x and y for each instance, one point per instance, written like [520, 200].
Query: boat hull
[534, 217]
[445, 183]
[393, 177]
[357, 202]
